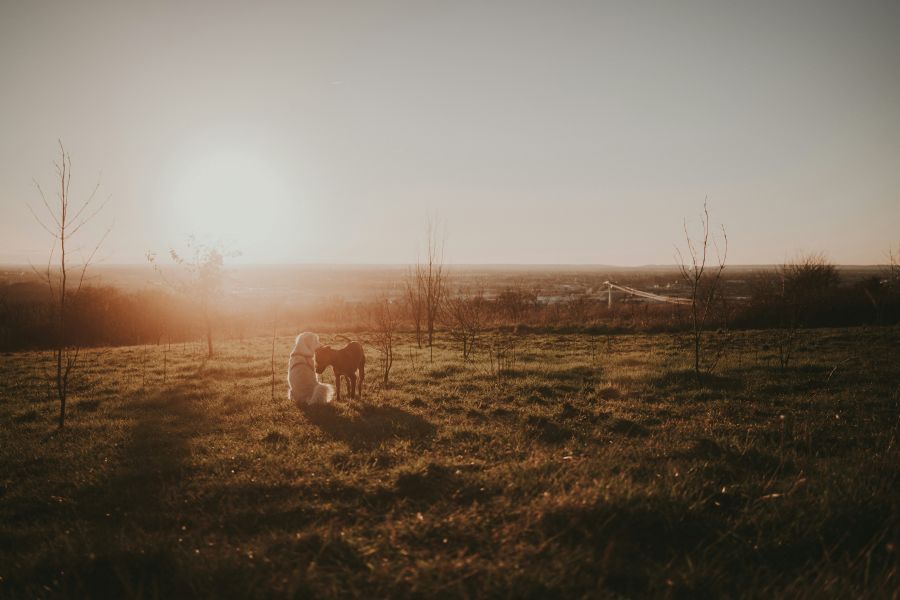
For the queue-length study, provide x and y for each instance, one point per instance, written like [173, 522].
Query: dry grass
[589, 467]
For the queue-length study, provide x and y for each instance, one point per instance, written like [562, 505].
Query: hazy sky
[545, 132]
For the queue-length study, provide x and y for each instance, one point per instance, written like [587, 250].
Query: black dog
[345, 362]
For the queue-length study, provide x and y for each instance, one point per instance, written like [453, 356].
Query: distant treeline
[801, 296]
[98, 316]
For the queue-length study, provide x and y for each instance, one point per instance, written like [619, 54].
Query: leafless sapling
[63, 220]
[703, 279]
[385, 319]
[412, 294]
[893, 272]
[466, 317]
[272, 362]
[801, 284]
[203, 267]
[501, 352]
[431, 277]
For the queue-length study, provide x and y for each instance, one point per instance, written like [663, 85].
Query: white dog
[303, 383]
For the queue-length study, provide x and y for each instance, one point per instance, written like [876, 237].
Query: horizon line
[12, 265]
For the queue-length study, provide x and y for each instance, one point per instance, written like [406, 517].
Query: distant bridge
[610, 285]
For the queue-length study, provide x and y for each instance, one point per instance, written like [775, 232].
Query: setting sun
[232, 195]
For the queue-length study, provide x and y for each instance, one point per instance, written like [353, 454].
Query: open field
[590, 466]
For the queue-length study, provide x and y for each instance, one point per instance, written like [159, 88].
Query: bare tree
[893, 274]
[769, 295]
[5, 318]
[466, 316]
[502, 357]
[810, 276]
[385, 319]
[274, 336]
[431, 279]
[800, 285]
[63, 220]
[412, 294]
[203, 266]
[514, 302]
[703, 279]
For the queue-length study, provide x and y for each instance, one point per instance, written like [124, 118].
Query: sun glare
[230, 195]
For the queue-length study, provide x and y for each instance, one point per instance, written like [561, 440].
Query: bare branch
[41, 223]
[49, 277]
[91, 258]
[89, 217]
[88, 201]
[46, 204]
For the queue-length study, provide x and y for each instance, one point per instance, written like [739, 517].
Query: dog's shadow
[365, 426]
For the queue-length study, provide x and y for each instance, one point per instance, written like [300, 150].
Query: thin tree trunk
[60, 388]
[274, 327]
[166, 358]
[61, 343]
[209, 342]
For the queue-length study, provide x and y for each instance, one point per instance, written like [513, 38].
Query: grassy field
[591, 466]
